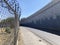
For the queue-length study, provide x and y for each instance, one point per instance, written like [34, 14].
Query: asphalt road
[50, 38]
[30, 38]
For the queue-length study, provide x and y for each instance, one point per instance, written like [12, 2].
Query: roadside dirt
[4, 37]
[20, 38]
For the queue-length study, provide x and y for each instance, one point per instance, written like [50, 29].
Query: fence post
[16, 27]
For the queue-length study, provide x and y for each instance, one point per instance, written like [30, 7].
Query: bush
[8, 30]
[12, 26]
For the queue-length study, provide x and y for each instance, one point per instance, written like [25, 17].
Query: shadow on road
[56, 32]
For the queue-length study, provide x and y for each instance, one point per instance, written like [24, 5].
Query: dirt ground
[4, 37]
[20, 38]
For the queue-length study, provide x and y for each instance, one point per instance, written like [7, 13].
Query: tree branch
[9, 6]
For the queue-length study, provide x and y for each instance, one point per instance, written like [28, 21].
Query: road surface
[30, 38]
[47, 38]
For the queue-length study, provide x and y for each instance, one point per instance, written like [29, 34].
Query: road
[48, 37]
[30, 38]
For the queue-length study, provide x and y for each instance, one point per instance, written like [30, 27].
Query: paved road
[30, 38]
[50, 38]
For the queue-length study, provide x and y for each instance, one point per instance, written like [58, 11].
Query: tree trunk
[16, 29]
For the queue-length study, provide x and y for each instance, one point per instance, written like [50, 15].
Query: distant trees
[8, 22]
[13, 8]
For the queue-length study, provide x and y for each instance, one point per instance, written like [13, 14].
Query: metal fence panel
[7, 25]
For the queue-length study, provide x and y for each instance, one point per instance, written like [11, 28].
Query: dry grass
[2, 30]
[3, 36]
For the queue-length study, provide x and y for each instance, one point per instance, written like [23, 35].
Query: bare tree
[14, 8]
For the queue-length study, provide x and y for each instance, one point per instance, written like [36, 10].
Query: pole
[16, 27]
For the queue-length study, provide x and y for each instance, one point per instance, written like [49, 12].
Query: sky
[4, 13]
[28, 7]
